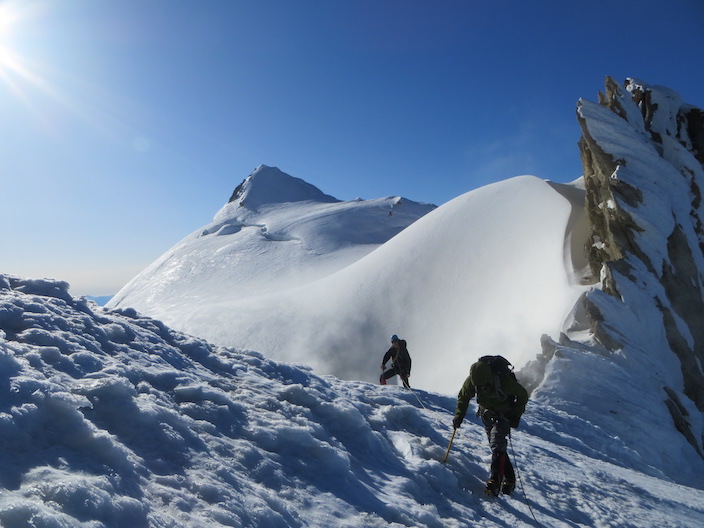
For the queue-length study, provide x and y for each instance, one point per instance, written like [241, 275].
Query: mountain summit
[269, 185]
[276, 232]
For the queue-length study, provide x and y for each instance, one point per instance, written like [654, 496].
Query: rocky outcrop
[642, 151]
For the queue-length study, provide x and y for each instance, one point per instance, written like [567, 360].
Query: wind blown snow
[488, 272]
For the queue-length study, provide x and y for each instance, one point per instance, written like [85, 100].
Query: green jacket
[512, 403]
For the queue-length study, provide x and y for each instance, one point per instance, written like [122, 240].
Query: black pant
[497, 429]
[393, 371]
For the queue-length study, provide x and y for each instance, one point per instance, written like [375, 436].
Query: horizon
[128, 125]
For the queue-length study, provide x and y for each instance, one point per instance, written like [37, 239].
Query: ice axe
[447, 453]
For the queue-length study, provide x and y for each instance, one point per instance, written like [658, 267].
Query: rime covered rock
[642, 151]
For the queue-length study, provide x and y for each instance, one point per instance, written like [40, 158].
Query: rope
[520, 480]
[417, 398]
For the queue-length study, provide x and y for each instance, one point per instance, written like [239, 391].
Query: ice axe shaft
[447, 453]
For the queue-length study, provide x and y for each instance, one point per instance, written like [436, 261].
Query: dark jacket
[400, 358]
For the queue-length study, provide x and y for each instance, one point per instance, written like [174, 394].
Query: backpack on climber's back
[500, 366]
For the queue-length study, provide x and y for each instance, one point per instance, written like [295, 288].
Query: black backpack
[500, 367]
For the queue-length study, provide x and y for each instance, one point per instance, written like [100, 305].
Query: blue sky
[126, 124]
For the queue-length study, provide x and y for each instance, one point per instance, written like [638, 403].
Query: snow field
[163, 429]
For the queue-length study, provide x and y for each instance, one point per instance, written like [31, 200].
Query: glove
[456, 422]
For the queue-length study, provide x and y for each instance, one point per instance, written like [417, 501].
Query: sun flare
[14, 69]
[20, 76]
[10, 63]
[8, 17]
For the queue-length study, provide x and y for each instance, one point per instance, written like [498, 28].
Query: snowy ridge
[110, 419]
[443, 283]
[276, 233]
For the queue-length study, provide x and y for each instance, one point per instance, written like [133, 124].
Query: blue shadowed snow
[113, 419]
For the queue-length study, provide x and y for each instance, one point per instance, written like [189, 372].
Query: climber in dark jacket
[400, 362]
[501, 401]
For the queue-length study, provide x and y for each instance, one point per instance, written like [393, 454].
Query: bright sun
[9, 61]
[8, 17]
[17, 74]
[13, 68]
[31, 72]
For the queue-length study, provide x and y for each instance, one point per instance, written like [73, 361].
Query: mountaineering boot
[507, 487]
[492, 488]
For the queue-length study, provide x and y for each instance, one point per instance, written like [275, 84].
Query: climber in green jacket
[501, 401]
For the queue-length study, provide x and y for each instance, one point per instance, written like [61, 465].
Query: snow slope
[111, 419]
[277, 232]
[443, 284]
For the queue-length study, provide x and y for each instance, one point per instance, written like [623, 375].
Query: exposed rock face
[643, 176]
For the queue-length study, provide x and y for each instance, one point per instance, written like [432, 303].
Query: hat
[481, 374]
[394, 338]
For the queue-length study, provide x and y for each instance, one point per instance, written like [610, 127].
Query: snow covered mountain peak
[277, 232]
[269, 185]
